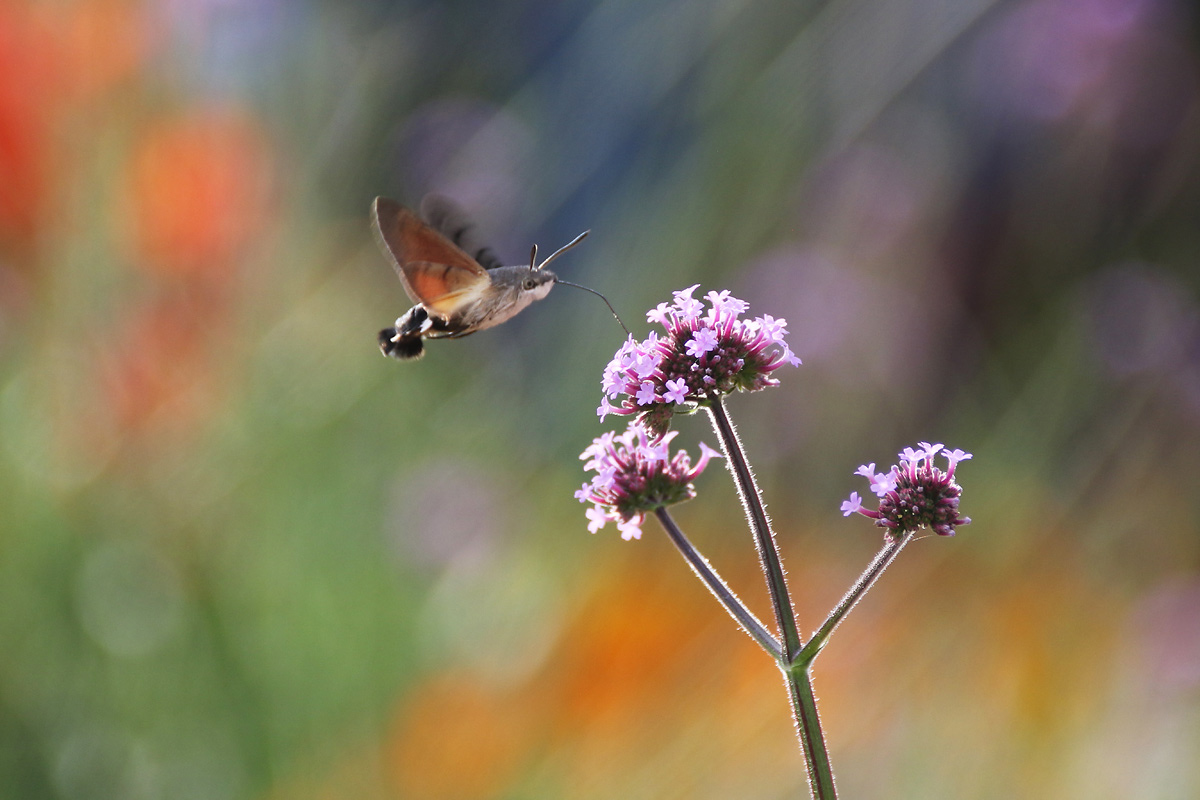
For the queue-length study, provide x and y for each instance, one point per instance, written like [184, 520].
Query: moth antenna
[593, 291]
[533, 259]
[561, 250]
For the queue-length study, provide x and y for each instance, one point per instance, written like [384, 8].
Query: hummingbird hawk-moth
[457, 287]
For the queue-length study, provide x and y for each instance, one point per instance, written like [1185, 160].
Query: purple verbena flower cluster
[635, 473]
[915, 494]
[703, 354]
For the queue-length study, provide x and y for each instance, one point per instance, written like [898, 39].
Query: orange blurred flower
[198, 187]
[622, 655]
[197, 191]
[457, 739]
[102, 43]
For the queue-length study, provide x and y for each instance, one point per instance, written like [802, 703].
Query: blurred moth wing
[449, 219]
[435, 272]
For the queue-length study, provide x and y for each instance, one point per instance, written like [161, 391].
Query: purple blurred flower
[704, 354]
[915, 494]
[635, 473]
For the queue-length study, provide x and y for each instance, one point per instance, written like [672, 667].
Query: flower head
[636, 473]
[914, 494]
[704, 353]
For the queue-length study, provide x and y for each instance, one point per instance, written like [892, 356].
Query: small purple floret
[703, 354]
[676, 391]
[914, 494]
[636, 473]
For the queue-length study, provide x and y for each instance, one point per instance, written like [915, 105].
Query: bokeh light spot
[130, 600]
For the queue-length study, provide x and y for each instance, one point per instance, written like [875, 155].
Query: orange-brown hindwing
[442, 288]
[434, 271]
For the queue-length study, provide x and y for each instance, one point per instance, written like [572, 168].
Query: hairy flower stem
[808, 728]
[764, 538]
[736, 608]
[882, 560]
[797, 675]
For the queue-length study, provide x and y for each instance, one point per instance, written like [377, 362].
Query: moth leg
[442, 329]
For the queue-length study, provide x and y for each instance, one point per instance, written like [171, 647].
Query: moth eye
[530, 283]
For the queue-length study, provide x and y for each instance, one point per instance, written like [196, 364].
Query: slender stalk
[808, 728]
[804, 703]
[764, 538]
[736, 608]
[882, 560]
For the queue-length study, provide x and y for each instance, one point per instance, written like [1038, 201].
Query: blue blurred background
[244, 556]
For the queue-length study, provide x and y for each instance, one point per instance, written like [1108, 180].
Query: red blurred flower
[53, 55]
[26, 97]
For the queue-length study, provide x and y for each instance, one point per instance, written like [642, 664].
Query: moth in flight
[457, 287]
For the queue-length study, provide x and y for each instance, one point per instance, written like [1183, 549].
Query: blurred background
[244, 556]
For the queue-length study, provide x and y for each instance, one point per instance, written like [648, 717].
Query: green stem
[799, 681]
[808, 728]
[764, 538]
[882, 560]
[736, 608]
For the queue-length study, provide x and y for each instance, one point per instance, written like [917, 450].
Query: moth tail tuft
[401, 348]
